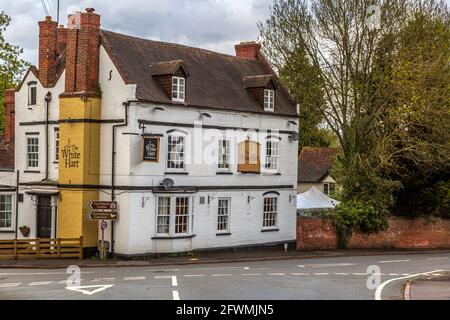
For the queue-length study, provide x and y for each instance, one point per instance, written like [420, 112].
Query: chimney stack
[47, 52]
[248, 50]
[82, 52]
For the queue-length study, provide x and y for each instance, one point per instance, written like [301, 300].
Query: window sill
[270, 230]
[7, 231]
[31, 171]
[173, 237]
[250, 173]
[224, 234]
[176, 173]
[224, 173]
[271, 174]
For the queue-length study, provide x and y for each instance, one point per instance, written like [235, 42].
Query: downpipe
[113, 166]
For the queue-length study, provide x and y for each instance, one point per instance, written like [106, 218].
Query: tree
[11, 66]
[349, 44]
[307, 90]
[416, 126]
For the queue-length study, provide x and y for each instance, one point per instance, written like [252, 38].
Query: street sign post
[103, 205]
[103, 215]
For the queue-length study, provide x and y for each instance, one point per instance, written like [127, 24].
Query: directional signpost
[101, 211]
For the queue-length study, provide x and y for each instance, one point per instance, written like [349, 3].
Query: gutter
[113, 165]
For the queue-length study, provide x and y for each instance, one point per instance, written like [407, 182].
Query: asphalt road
[304, 279]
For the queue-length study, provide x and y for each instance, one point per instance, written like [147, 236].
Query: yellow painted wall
[79, 164]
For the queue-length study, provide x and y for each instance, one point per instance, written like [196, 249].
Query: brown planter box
[25, 231]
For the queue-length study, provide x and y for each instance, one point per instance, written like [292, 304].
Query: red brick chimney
[248, 50]
[82, 52]
[61, 40]
[47, 52]
[7, 139]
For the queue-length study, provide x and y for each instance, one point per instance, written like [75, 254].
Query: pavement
[430, 287]
[344, 277]
[203, 258]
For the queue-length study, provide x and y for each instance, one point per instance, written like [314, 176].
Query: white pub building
[199, 149]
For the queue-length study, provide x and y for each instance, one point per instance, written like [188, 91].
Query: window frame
[327, 188]
[273, 212]
[32, 86]
[28, 152]
[269, 159]
[174, 217]
[169, 152]
[269, 100]
[11, 211]
[57, 142]
[178, 95]
[227, 216]
[221, 164]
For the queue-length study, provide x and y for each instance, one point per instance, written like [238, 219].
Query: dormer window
[262, 89]
[178, 89]
[32, 93]
[171, 77]
[269, 100]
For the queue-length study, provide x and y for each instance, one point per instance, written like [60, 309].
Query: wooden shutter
[249, 157]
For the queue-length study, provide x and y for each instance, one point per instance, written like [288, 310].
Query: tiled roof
[215, 79]
[314, 164]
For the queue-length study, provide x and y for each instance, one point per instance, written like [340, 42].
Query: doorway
[44, 217]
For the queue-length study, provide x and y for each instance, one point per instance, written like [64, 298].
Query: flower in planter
[25, 231]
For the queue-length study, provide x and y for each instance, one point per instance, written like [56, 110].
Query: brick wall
[319, 234]
[8, 136]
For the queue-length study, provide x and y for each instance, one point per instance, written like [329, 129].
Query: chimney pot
[90, 10]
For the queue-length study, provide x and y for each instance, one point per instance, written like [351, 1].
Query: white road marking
[394, 261]
[381, 286]
[9, 285]
[103, 279]
[84, 290]
[329, 265]
[360, 274]
[341, 274]
[194, 275]
[300, 274]
[250, 274]
[321, 274]
[246, 268]
[442, 258]
[41, 283]
[393, 274]
[174, 281]
[66, 281]
[39, 273]
[175, 295]
[222, 275]
[134, 278]
[276, 274]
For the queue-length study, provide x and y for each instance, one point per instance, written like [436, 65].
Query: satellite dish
[168, 184]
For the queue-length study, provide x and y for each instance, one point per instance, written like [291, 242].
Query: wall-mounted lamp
[210, 199]
[142, 127]
[205, 115]
[144, 201]
[291, 197]
[291, 122]
[250, 199]
[158, 109]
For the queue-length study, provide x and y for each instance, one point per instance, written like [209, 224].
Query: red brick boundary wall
[320, 234]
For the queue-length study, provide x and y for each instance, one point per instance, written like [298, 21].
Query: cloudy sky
[213, 24]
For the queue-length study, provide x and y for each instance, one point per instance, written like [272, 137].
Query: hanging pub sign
[151, 149]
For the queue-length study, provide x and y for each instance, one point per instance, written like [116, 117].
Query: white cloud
[211, 24]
